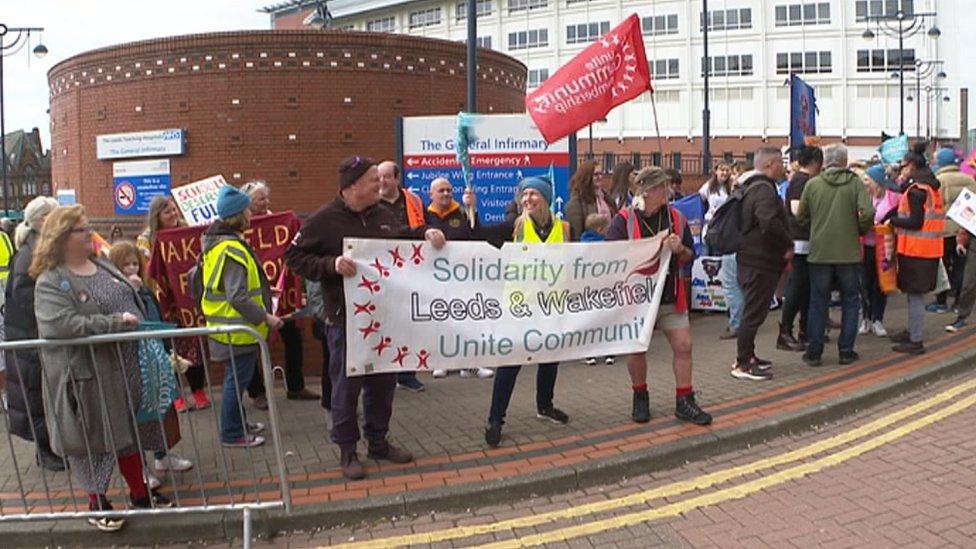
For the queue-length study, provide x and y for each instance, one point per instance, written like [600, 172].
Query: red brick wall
[298, 87]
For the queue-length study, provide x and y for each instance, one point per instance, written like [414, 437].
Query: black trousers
[797, 298]
[758, 287]
[291, 337]
[955, 267]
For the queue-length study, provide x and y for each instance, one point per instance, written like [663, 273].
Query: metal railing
[45, 495]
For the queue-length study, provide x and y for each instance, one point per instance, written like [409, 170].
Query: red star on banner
[369, 330]
[371, 285]
[402, 353]
[422, 357]
[382, 270]
[382, 345]
[417, 256]
[397, 258]
[365, 308]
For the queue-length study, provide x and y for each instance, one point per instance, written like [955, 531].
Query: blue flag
[803, 111]
[692, 208]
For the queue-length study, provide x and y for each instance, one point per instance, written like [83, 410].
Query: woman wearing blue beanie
[236, 292]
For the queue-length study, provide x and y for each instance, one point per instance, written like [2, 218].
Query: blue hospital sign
[136, 183]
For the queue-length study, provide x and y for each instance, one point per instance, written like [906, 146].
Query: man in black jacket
[797, 298]
[764, 247]
[316, 254]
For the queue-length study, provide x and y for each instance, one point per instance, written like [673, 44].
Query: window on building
[484, 42]
[731, 19]
[523, 40]
[676, 161]
[536, 77]
[813, 13]
[884, 60]
[666, 96]
[635, 160]
[864, 9]
[585, 33]
[728, 65]
[663, 69]
[658, 25]
[571, 2]
[425, 18]
[806, 62]
[386, 24]
[461, 11]
[522, 5]
[609, 161]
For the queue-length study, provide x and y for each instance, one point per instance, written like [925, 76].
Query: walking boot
[48, 460]
[686, 409]
[786, 342]
[384, 450]
[351, 468]
[642, 407]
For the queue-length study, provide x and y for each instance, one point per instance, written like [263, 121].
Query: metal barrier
[47, 495]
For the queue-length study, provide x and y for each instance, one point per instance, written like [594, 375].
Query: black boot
[47, 459]
[786, 342]
[642, 407]
[686, 409]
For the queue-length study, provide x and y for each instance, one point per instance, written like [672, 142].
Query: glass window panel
[733, 64]
[861, 9]
[732, 19]
[745, 17]
[809, 13]
[673, 23]
[673, 67]
[747, 64]
[782, 62]
[718, 20]
[780, 16]
[823, 12]
[720, 65]
[877, 59]
[826, 64]
[810, 60]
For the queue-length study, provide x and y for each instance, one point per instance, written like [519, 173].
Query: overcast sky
[75, 26]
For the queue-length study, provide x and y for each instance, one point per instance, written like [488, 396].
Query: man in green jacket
[837, 209]
[946, 167]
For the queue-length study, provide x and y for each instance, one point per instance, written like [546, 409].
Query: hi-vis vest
[560, 230]
[925, 243]
[678, 226]
[415, 209]
[216, 307]
[6, 254]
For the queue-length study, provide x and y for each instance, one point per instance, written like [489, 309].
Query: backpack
[725, 228]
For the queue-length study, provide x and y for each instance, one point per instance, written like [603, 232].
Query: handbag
[942, 283]
[158, 381]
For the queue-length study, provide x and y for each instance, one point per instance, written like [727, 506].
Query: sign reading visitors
[136, 183]
[176, 250]
[608, 73]
[963, 211]
[67, 197]
[707, 293]
[170, 142]
[198, 200]
[506, 148]
[410, 307]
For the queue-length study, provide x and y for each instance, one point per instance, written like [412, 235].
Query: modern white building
[753, 47]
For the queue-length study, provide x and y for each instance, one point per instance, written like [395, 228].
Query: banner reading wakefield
[410, 307]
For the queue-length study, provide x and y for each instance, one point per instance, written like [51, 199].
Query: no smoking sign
[125, 195]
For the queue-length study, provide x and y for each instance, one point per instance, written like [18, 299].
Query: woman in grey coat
[90, 416]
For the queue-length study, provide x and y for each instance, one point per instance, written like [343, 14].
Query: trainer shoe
[173, 462]
[864, 327]
[247, 441]
[642, 407]
[152, 500]
[151, 480]
[936, 308]
[878, 329]
[441, 374]
[255, 427]
[849, 357]
[610, 361]
[411, 384]
[485, 373]
[910, 348]
[810, 360]
[955, 326]
[104, 524]
[751, 372]
[554, 415]
[200, 399]
[493, 434]
[590, 361]
[686, 409]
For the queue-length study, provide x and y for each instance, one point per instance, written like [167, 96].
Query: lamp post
[929, 94]
[20, 36]
[900, 25]
[706, 115]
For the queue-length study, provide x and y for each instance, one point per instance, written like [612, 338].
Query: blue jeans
[849, 284]
[729, 276]
[237, 374]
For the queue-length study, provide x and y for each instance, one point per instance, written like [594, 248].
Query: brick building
[28, 168]
[284, 106]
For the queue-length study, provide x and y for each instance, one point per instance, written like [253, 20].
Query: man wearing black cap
[316, 254]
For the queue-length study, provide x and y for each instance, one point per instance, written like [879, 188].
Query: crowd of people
[817, 238]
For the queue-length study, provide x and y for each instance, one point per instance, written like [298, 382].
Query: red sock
[131, 468]
[683, 391]
[93, 501]
[640, 388]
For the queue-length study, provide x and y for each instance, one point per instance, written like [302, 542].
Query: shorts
[668, 318]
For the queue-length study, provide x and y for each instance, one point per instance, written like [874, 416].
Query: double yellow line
[703, 482]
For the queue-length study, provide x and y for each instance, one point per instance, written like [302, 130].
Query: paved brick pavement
[443, 425]
[916, 491]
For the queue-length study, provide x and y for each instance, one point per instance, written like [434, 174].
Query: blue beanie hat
[945, 157]
[877, 173]
[231, 202]
[538, 183]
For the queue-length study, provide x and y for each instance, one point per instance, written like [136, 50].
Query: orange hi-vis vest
[925, 243]
[678, 226]
[415, 209]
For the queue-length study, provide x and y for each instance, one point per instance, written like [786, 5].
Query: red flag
[610, 72]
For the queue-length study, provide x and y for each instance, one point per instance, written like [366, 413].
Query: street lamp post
[901, 25]
[929, 94]
[20, 36]
[706, 115]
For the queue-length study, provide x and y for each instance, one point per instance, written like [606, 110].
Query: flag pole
[657, 129]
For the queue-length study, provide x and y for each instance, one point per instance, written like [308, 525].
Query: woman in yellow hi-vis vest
[235, 292]
[536, 224]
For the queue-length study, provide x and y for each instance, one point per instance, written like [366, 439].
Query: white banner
[707, 293]
[410, 307]
[198, 200]
[963, 211]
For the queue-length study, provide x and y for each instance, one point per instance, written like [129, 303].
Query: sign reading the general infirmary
[171, 142]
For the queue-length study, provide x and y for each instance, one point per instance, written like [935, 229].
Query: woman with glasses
[589, 193]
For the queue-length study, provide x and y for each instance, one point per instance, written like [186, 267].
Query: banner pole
[657, 129]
